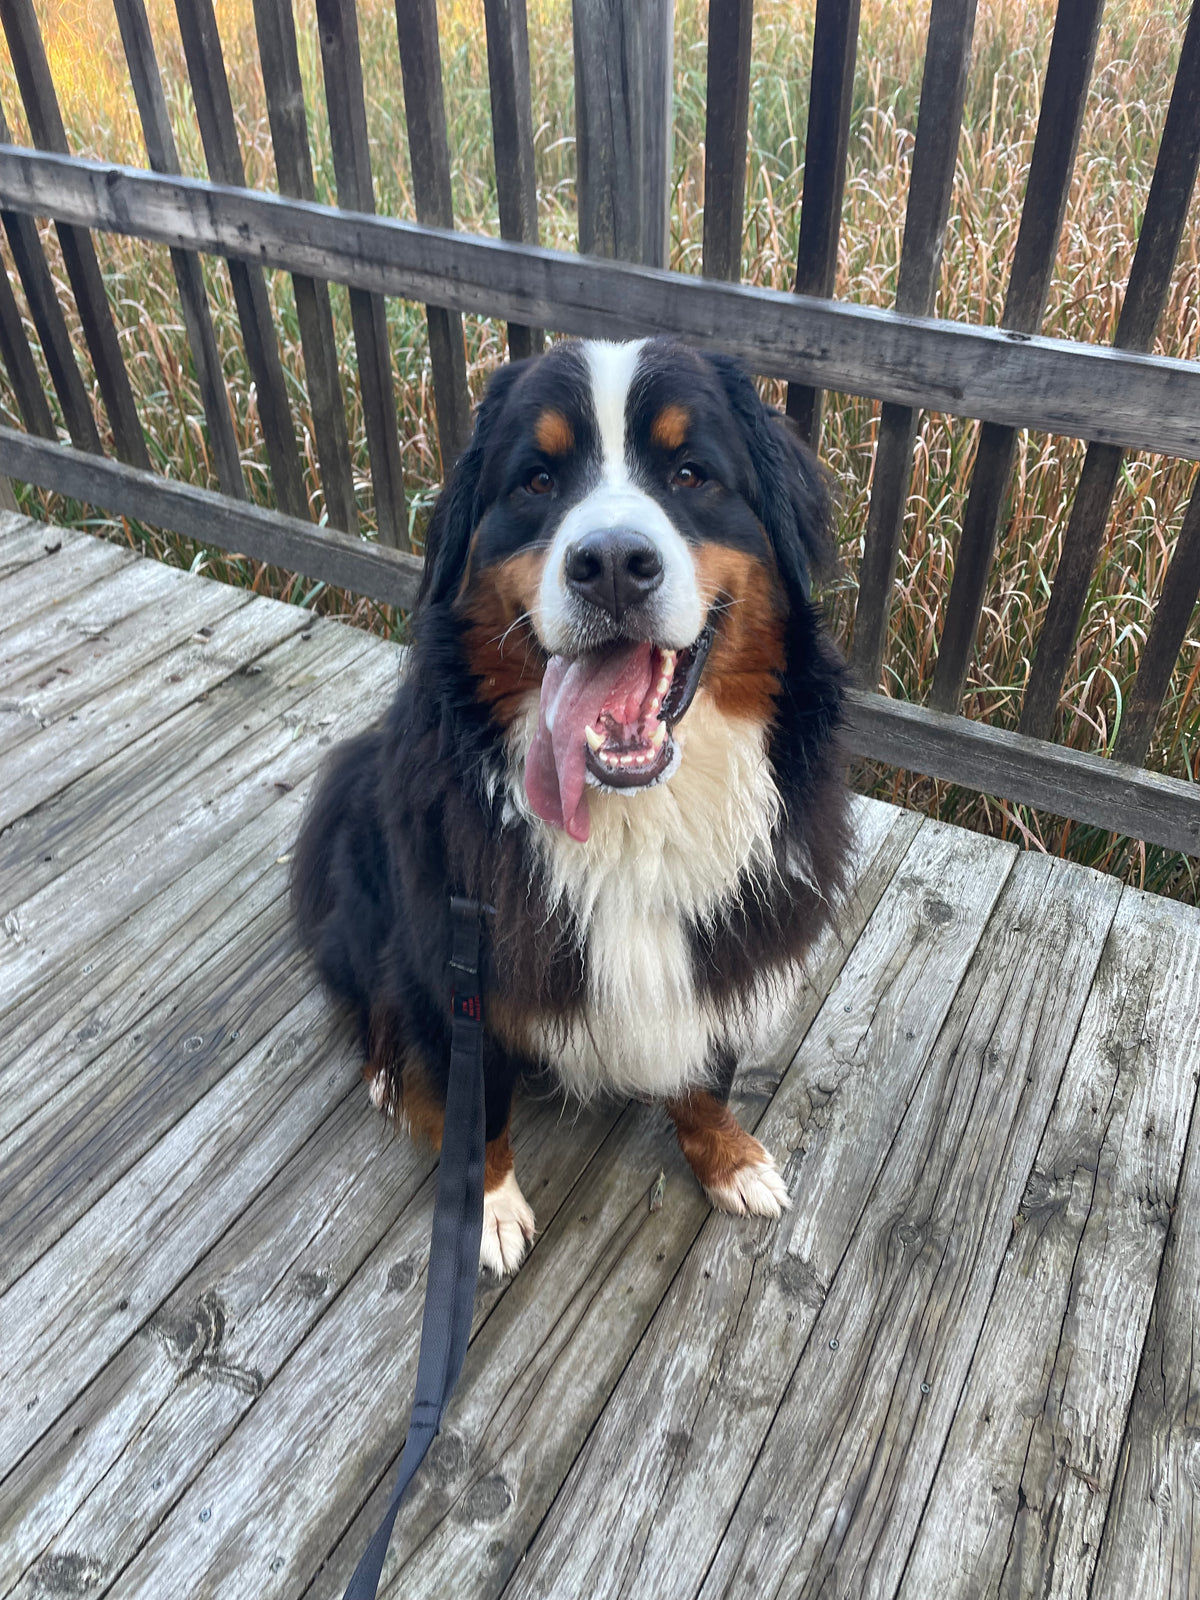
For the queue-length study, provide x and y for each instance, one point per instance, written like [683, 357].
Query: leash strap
[457, 1231]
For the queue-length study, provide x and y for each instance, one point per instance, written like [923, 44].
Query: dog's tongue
[574, 694]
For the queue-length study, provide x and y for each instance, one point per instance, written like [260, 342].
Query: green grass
[1135, 63]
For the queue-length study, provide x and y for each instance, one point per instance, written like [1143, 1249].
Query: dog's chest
[641, 1029]
[655, 867]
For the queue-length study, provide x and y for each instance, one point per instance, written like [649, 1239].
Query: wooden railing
[1117, 398]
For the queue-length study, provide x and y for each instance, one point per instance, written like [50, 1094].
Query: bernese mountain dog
[616, 725]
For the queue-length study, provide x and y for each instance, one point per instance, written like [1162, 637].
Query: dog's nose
[614, 568]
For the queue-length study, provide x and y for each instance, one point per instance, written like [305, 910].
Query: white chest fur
[655, 861]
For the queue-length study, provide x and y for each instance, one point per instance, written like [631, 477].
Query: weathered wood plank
[49, 927]
[24, 543]
[1150, 1544]
[536, 1385]
[1069, 783]
[189, 922]
[125, 1255]
[429, 153]
[111, 1467]
[276, 30]
[193, 298]
[623, 57]
[47, 584]
[1064, 95]
[826, 141]
[315, 1425]
[78, 252]
[90, 617]
[1162, 228]
[270, 1280]
[337, 26]
[68, 1149]
[726, 113]
[860, 1430]
[1083, 391]
[81, 1145]
[512, 140]
[943, 87]
[149, 710]
[218, 132]
[80, 671]
[1019, 1499]
[212, 519]
[175, 1390]
[705, 1383]
[230, 686]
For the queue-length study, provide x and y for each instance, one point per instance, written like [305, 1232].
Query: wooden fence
[1117, 398]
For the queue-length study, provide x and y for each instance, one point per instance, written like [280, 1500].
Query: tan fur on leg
[736, 1172]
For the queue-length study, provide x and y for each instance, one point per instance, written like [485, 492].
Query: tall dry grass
[1135, 64]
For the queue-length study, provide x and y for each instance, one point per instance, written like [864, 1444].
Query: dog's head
[629, 526]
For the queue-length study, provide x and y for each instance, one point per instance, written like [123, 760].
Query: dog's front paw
[508, 1227]
[754, 1188]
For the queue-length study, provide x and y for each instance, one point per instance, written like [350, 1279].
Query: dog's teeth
[668, 664]
[641, 759]
[657, 737]
[663, 685]
[596, 740]
[654, 705]
[626, 761]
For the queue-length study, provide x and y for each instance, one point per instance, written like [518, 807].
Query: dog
[616, 725]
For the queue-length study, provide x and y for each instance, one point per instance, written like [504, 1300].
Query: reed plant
[1135, 64]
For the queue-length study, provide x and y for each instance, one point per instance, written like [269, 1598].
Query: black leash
[457, 1231]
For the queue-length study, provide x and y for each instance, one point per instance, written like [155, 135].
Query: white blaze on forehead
[616, 501]
[612, 368]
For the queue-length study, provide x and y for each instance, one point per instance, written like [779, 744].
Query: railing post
[826, 143]
[512, 140]
[624, 58]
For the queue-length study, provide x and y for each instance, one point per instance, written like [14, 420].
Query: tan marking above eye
[669, 429]
[553, 433]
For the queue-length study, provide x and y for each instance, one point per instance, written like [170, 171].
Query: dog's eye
[539, 481]
[688, 476]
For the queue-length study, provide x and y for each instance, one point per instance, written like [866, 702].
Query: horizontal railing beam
[1069, 783]
[216, 521]
[1086, 788]
[1049, 385]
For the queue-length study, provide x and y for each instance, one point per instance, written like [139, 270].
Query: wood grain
[72, 1148]
[861, 1428]
[39, 586]
[1019, 1500]
[93, 792]
[146, 79]
[126, 1254]
[109, 728]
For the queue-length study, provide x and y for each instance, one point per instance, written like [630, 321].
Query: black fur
[403, 816]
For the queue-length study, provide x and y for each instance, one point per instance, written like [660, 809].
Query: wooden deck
[963, 1365]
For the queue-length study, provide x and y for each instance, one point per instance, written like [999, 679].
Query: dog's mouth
[607, 719]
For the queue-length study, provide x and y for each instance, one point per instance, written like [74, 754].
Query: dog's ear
[790, 495]
[457, 511]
